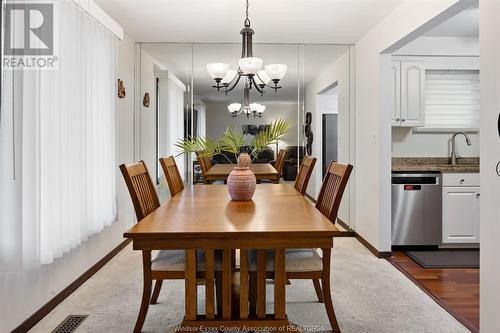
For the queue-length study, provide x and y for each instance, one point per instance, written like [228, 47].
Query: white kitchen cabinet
[460, 211]
[396, 92]
[408, 86]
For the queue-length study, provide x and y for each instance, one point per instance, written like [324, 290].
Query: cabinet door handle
[462, 181]
[397, 119]
[478, 195]
[403, 120]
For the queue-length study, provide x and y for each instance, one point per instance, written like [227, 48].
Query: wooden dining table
[262, 171]
[202, 217]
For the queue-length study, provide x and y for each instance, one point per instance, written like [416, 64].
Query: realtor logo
[29, 35]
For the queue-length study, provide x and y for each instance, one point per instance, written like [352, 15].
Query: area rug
[445, 258]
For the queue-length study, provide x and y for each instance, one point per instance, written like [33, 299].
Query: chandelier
[250, 72]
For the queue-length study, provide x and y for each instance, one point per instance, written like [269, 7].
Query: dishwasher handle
[416, 179]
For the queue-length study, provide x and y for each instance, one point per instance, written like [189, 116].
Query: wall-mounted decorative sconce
[146, 101]
[121, 89]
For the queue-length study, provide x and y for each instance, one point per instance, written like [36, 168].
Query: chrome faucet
[453, 149]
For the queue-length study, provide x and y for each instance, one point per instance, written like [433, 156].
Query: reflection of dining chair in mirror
[172, 175]
[280, 161]
[305, 171]
[168, 264]
[205, 165]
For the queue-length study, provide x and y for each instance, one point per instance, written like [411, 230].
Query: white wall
[337, 72]
[218, 119]
[405, 143]
[373, 113]
[441, 46]
[40, 286]
[490, 155]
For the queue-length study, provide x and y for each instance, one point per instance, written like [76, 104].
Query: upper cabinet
[408, 85]
[396, 92]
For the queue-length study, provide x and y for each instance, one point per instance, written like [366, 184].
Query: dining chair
[305, 171]
[308, 264]
[205, 165]
[168, 264]
[280, 161]
[171, 172]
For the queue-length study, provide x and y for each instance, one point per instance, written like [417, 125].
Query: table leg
[279, 284]
[244, 284]
[190, 284]
[325, 285]
[146, 292]
[227, 279]
[261, 284]
[209, 283]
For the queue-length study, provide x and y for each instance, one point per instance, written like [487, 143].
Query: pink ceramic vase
[241, 182]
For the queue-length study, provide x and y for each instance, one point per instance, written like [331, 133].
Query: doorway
[328, 106]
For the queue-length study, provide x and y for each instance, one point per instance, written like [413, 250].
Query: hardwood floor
[457, 290]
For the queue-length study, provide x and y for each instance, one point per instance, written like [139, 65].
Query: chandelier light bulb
[261, 108]
[276, 71]
[254, 107]
[230, 75]
[217, 70]
[250, 65]
[262, 77]
[234, 107]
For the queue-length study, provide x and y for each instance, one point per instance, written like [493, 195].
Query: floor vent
[70, 324]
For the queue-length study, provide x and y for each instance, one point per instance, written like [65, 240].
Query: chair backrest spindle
[280, 161]
[141, 188]
[172, 175]
[305, 171]
[332, 190]
[205, 163]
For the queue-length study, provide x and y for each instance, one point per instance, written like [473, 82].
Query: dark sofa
[294, 157]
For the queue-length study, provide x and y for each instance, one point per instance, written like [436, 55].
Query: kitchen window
[452, 100]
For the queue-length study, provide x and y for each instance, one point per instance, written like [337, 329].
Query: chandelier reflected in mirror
[249, 72]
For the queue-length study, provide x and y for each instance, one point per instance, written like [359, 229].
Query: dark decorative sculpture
[146, 101]
[308, 133]
[121, 89]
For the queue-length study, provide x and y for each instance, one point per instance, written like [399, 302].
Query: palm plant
[232, 142]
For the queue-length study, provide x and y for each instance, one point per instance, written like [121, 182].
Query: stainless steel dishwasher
[416, 209]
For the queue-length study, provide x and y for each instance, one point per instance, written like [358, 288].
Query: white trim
[166, 74]
[444, 130]
[445, 63]
[177, 81]
[91, 8]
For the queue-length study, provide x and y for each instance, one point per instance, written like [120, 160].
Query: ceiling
[277, 21]
[177, 59]
[464, 24]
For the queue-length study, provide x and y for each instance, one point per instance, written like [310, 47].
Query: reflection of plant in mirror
[232, 142]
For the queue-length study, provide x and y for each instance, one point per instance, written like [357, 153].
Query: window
[452, 99]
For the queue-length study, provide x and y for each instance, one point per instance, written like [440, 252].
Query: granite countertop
[441, 164]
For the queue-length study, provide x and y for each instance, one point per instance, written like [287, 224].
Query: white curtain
[64, 190]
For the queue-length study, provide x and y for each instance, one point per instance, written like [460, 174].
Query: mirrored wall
[183, 102]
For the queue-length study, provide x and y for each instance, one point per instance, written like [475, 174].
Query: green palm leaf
[273, 133]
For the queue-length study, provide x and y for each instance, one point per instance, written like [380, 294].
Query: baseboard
[310, 197]
[377, 253]
[56, 300]
[345, 226]
[438, 300]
